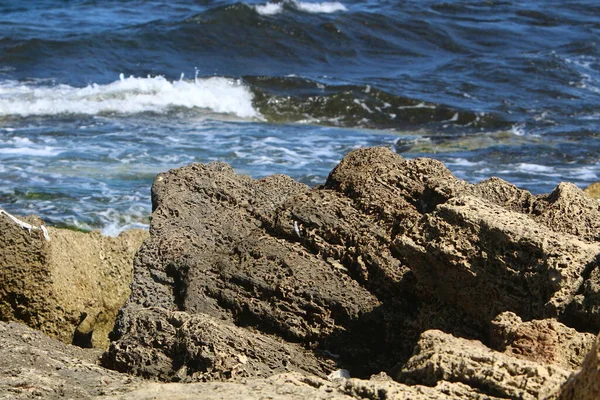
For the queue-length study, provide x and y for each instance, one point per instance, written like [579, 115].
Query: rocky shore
[394, 279]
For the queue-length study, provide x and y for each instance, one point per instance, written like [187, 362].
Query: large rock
[545, 341]
[441, 357]
[33, 365]
[487, 259]
[177, 346]
[354, 271]
[70, 287]
[585, 385]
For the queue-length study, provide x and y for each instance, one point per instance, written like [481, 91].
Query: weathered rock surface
[33, 365]
[585, 385]
[292, 386]
[593, 190]
[70, 287]
[183, 347]
[350, 274]
[545, 341]
[472, 253]
[442, 357]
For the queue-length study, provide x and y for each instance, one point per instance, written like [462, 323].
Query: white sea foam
[326, 7]
[269, 8]
[535, 168]
[128, 96]
[25, 147]
[420, 105]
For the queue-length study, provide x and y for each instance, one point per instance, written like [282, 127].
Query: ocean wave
[299, 100]
[128, 96]
[326, 7]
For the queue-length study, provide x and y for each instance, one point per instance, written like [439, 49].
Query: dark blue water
[96, 97]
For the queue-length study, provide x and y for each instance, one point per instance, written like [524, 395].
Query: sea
[99, 96]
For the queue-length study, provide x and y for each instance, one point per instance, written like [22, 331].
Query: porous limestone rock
[473, 253]
[441, 357]
[355, 270]
[70, 287]
[585, 384]
[545, 341]
[35, 366]
[178, 346]
[593, 190]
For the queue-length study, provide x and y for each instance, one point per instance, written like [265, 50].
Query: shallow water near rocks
[96, 98]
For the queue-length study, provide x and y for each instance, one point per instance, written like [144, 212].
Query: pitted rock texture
[205, 349]
[593, 190]
[471, 252]
[34, 366]
[585, 384]
[70, 287]
[441, 357]
[545, 341]
[351, 273]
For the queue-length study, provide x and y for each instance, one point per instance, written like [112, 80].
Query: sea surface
[98, 96]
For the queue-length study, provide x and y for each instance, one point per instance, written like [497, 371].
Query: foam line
[128, 96]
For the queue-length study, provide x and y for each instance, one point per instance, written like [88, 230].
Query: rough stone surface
[593, 190]
[352, 272]
[544, 341]
[585, 385]
[473, 253]
[292, 386]
[224, 245]
[177, 346]
[441, 357]
[70, 287]
[34, 366]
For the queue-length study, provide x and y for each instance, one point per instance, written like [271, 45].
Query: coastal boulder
[354, 271]
[69, 287]
[585, 384]
[442, 357]
[35, 366]
[545, 341]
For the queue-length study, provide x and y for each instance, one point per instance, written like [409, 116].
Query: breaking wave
[327, 7]
[127, 96]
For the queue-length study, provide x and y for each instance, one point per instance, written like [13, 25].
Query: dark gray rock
[348, 274]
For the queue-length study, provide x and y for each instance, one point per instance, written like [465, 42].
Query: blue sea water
[97, 97]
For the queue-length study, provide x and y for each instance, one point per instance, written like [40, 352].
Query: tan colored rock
[70, 287]
[295, 386]
[545, 341]
[441, 357]
[584, 385]
[34, 366]
[593, 190]
[486, 259]
[567, 209]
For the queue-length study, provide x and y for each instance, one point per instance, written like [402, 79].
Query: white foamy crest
[269, 8]
[128, 96]
[326, 7]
